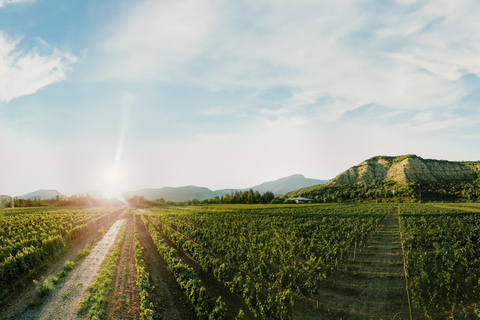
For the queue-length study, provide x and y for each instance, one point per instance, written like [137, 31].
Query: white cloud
[401, 58]
[23, 73]
[152, 40]
[5, 2]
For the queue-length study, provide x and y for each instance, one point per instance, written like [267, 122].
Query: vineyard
[443, 259]
[29, 237]
[319, 261]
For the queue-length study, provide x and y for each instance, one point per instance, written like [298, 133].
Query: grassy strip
[206, 307]
[143, 280]
[47, 286]
[93, 306]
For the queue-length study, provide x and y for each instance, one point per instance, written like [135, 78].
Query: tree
[268, 197]
[250, 196]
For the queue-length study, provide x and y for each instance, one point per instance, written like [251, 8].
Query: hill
[278, 187]
[41, 194]
[407, 177]
[287, 184]
[172, 194]
[406, 169]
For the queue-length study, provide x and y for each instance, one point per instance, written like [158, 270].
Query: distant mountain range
[278, 187]
[42, 194]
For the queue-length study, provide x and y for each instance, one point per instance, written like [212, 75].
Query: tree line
[239, 197]
[389, 191]
[61, 201]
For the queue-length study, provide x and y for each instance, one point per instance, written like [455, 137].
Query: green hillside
[403, 178]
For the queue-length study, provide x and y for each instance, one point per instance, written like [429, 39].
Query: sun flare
[113, 175]
[112, 181]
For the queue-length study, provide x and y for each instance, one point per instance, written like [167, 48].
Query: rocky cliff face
[404, 169]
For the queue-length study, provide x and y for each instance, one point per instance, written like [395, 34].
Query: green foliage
[29, 238]
[143, 281]
[265, 253]
[140, 202]
[64, 201]
[47, 286]
[383, 192]
[442, 252]
[205, 306]
[247, 196]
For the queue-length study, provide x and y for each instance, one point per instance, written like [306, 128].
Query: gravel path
[64, 301]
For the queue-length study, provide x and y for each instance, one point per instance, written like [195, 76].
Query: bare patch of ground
[123, 301]
[63, 303]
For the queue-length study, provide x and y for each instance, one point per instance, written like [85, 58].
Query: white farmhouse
[299, 200]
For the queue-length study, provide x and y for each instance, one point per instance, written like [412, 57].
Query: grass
[47, 286]
[143, 279]
[93, 306]
[358, 275]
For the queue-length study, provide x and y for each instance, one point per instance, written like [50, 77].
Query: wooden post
[404, 265]
[336, 270]
[355, 251]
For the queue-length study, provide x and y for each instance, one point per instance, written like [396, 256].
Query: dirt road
[64, 301]
[123, 300]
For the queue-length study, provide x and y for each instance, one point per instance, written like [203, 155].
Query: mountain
[173, 194]
[284, 185]
[404, 178]
[278, 187]
[406, 169]
[42, 194]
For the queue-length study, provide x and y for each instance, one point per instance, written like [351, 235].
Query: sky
[104, 95]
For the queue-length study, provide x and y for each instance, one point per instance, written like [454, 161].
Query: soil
[64, 301]
[123, 301]
[170, 302]
[371, 287]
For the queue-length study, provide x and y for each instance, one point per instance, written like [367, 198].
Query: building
[299, 200]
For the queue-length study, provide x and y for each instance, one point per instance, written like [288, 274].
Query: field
[317, 261]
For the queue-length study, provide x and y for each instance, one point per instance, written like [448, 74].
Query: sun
[113, 175]
[113, 179]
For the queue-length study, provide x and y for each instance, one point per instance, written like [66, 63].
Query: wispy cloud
[6, 2]
[152, 40]
[406, 55]
[23, 73]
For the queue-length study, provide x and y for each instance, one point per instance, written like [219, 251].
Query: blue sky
[122, 95]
